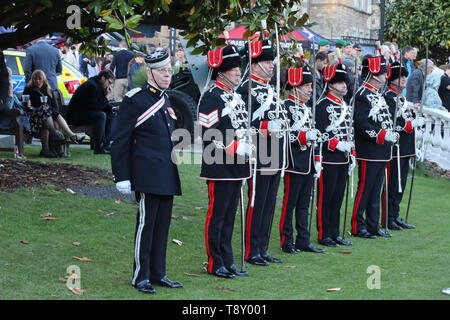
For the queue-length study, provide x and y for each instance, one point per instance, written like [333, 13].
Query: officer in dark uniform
[374, 137]
[333, 119]
[299, 176]
[270, 145]
[141, 161]
[405, 125]
[224, 122]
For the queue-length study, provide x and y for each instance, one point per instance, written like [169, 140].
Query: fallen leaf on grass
[24, 241]
[46, 214]
[109, 213]
[178, 242]
[49, 218]
[117, 201]
[290, 267]
[70, 191]
[174, 217]
[82, 259]
[76, 243]
[344, 251]
[225, 289]
[76, 291]
[333, 289]
[192, 274]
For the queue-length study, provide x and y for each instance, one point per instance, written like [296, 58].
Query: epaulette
[132, 92]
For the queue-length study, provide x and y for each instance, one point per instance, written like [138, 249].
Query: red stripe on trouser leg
[319, 207]
[358, 197]
[207, 222]
[383, 197]
[248, 226]
[287, 180]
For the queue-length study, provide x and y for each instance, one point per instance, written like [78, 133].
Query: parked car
[68, 81]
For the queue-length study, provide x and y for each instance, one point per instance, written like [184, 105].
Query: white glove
[419, 155]
[274, 125]
[318, 168]
[124, 186]
[344, 146]
[352, 164]
[418, 122]
[312, 135]
[391, 136]
[244, 148]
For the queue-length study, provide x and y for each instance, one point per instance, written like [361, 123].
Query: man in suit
[119, 65]
[43, 56]
[141, 160]
[89, 105]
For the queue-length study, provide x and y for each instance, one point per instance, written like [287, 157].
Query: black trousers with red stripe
[223, 203]
[394, 197]
[259, 218]
[297, 195]
[330, 193]
[152, 230]
[370, 181]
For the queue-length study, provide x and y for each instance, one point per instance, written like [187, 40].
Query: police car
[68, 81]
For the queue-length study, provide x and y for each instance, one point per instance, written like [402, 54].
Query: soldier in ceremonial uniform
[333, 119]
[141, 161]
[270, 158]
[405, 126]
[299, 176]
[224, 164]
[374, 137]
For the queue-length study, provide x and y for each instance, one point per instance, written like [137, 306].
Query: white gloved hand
[244, 148]
[318, 168]
[344, 146]
[312, 135]
[418, 122]
[391, 136]
[124, 186]
[274, 125]
[419, 155]
[352, 164]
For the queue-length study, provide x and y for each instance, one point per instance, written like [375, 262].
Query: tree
[417, 22]
[201, 20]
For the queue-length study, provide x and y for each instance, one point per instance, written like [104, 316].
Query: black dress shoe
[170, 284]
[101, 151]
[311, 248]
[234, 270]
[266, 256]
[399, 221]
[364, 234]
[289, 248]
[145, 286]
[381, 233]
[223, 273]
[343, 242]
[47, 154]
[393, 226]
[257, 261]
[328, 242]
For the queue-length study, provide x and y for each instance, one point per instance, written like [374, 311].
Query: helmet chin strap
[301, 92]
[154, 80]
[378, 80]
[264, 70]
[341, 92]
[227, 80]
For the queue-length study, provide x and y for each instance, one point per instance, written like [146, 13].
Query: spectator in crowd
[67, 55]
[181, 58]
[409, 55]
[119, 65]
[39, 87]
[321, 62]
[134, 65]
[85, 61]
[356, 50]
[444, 87]
[350, 68]
[324, 46]
[8, 104]
[386, 52]
[93, 69]
[414, 85]
[89, 106]
[42, 114]
[106, 63]
[432, 98]
[44, 57]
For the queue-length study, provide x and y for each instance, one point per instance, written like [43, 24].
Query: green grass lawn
[413, 264]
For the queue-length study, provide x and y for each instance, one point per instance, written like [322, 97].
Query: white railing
[434, 142]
